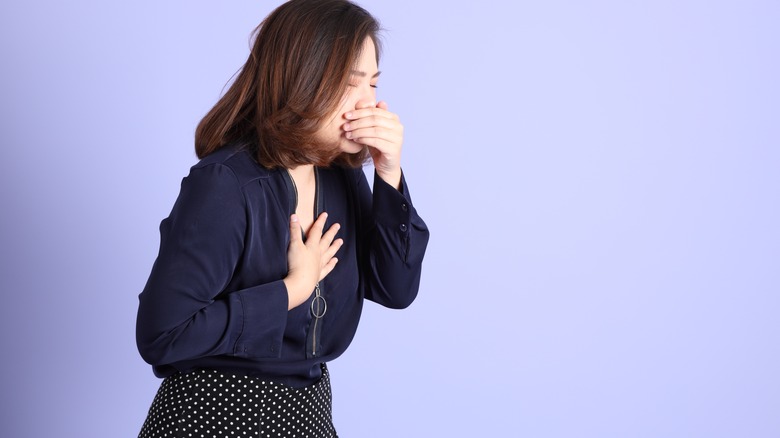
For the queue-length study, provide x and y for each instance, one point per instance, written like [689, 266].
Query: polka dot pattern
[208, 403]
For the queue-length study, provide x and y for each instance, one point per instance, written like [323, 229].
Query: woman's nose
[365, 103]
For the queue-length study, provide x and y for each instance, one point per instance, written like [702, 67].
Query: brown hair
[296, 75]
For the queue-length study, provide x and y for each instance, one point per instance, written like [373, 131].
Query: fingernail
[349, 134]
[347, 126]
[348, 115]
[294, 218]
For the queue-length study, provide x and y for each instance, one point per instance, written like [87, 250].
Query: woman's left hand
[383, 133]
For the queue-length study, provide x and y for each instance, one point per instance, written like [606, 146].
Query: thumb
[295, 229]
[382, 104]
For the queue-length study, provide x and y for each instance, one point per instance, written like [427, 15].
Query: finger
[365, 112]
[366, 122]
[388, 144]
[382, 105]
[295, 229]
[329, 235]
[328, 268]
[391, 135]
[315, 233]
[382, 145]
[332, 249]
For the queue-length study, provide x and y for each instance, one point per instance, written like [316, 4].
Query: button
[404, 207]
[403, 227]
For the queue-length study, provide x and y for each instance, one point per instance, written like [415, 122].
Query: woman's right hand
[311, 261]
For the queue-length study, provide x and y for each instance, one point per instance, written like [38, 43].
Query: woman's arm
[393, 237]
[181, 315]
[392, 242]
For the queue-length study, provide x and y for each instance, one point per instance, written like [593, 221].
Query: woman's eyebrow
[363, 74]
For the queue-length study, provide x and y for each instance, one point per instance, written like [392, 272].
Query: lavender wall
[602, 181]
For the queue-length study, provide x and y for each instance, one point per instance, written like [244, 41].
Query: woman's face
[361, 93]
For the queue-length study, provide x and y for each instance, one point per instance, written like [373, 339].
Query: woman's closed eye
[371, 85]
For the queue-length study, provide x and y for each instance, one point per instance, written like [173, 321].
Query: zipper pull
[318, 305]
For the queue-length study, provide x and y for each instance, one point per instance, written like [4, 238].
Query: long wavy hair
[296, 76]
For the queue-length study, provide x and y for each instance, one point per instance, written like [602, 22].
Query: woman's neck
[305, 183]
[303, 174]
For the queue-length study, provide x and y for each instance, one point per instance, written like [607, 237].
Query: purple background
[602, 182]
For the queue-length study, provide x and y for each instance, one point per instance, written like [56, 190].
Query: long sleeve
[393, 242]
[183, 313]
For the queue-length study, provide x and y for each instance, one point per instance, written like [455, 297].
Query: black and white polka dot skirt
[208, 403]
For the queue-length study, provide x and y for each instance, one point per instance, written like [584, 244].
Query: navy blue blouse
[215, 297]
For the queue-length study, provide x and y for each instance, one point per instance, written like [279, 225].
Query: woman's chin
[350, 146]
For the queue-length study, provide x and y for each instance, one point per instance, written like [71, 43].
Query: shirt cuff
[264, 321]
[392, 208]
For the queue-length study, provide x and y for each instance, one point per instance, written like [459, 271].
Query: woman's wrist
[392, 178]
[296, 291]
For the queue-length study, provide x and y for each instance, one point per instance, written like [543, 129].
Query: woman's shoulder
[238, 159]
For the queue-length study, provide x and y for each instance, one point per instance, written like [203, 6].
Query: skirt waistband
[210, 403]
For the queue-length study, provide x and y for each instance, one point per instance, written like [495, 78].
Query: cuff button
[403, 227]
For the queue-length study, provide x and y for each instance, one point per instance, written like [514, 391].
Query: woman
[275, 238]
